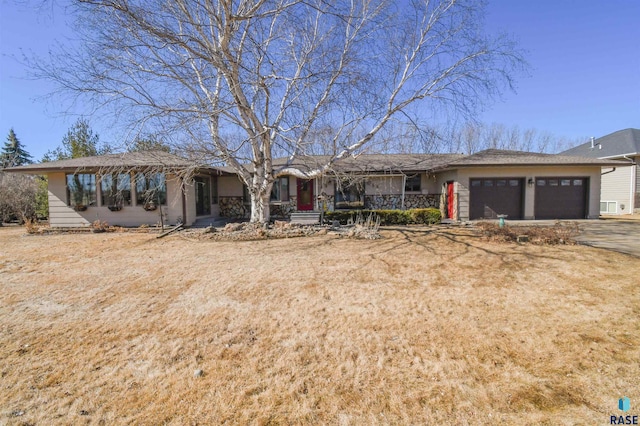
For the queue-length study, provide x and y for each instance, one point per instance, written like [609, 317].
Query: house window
[280, 189]
[412, 183]
[608, 207]
[151, 188]
[116, 189]
[349, 195]
[81, 190]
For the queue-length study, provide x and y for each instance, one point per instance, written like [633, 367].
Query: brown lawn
[426, 326]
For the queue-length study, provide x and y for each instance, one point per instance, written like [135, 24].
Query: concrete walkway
[619, 234]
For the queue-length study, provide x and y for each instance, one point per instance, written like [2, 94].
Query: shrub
[427, 216]
[389, 217]
[100, 226]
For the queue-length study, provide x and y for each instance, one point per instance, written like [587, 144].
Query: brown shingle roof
[497, 157]
[143, 159]
[365, 163]
[371, 163]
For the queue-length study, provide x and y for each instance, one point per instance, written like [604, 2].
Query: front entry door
[203, 195]
[450, 201]
[305, 194]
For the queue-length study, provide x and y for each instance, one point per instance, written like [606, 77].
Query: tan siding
[462, 189]
[229, 186]
[384, 185]
[616, 186]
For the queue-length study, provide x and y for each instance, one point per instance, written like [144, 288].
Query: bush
[427, 216]
[389, 217]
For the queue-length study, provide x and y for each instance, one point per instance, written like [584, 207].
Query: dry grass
[426, 326]
[560, 233]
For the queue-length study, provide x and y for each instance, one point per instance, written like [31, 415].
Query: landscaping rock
[198, 373]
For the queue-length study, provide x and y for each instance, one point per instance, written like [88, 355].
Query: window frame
[413, 183]
[608, 204]
[342, 195]
[88, 195]
[280, 190]
[150, 181]
[109, 197]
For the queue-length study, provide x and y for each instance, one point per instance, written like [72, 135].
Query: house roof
[372, 163]
[616, 144]
[364, 163]
[142, 159]
[498, 157]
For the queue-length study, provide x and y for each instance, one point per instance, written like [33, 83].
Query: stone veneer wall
[394, 201]
[232, 207]
[283, 210]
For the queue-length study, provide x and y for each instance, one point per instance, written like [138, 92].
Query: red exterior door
[450, 201]
[305, 194]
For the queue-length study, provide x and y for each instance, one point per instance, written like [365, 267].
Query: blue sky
[584, 78]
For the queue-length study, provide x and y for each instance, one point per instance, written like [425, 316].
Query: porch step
[305, 218]
[204, 222]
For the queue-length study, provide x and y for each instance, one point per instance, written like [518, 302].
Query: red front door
[305, 194]
[450, 201]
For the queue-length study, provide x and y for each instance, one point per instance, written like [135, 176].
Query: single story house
[138, 188]
[620, 187]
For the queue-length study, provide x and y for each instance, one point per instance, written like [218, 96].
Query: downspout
[610, 171]
[404, 184]
[184, 201]
[632, 196]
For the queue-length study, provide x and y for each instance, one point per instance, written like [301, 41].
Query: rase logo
[624, 404]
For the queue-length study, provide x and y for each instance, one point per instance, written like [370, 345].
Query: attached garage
[561, 197]
[491, 197]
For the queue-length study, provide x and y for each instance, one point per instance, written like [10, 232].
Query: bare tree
[17, 197]
[246, 80]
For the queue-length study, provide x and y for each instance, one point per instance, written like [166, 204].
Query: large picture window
[116, 189]
[81, 190]
[349, 195]
[280, 189]
[151, 188]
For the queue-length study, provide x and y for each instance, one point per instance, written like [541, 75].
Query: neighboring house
[620, 193]
[140, 188]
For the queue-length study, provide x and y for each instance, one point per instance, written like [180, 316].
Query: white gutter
[632, 196]
[625, 156]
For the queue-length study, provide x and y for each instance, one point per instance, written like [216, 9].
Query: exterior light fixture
[530, 182]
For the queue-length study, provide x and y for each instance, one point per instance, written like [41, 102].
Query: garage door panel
[490, 197]
[561, 198]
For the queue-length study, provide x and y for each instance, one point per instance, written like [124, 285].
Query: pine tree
[13, 153]
[80, 141]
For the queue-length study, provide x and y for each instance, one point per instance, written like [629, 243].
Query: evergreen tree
[80, 141]
[13, 153]
[149, 143]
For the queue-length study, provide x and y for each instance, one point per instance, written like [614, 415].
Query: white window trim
[608, 212]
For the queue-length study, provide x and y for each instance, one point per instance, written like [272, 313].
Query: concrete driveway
[618, 234]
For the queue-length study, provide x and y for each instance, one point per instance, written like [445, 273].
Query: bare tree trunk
[260, 208]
